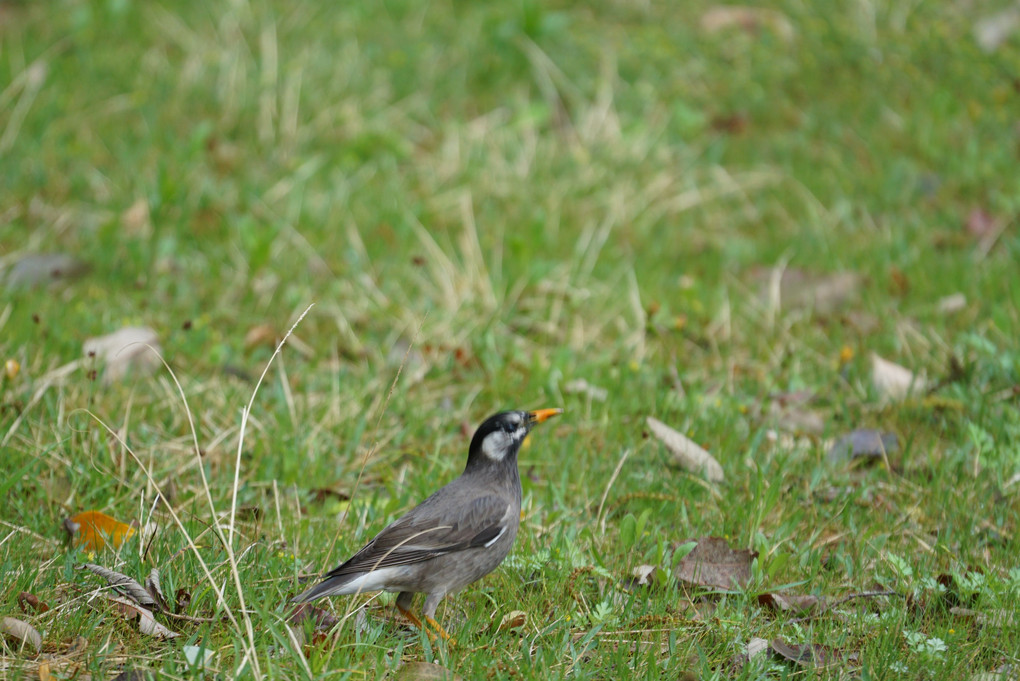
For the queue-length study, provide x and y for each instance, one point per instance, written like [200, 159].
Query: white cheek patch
[495, 445]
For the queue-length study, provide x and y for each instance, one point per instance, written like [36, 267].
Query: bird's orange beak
[540, 415]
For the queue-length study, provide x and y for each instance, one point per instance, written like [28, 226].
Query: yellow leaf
[95, 530]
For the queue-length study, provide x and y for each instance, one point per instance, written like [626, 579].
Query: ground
[725, 218]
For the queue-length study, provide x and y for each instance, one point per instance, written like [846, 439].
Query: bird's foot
[439, 631]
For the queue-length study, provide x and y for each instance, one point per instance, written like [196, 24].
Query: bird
[459, 534]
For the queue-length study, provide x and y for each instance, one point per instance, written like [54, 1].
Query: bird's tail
[326, 587]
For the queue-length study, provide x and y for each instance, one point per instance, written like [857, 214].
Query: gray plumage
[456, 536]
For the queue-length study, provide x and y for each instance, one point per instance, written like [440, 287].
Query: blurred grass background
[496, 200]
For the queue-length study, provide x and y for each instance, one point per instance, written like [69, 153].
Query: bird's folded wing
[420, 536]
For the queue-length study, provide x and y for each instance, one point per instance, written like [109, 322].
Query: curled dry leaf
[125, 352]
[94, 530]
[515, 619]
[714, 564]
[147, 623]
[154, 589]
[892, 381]
[27, 602]
[686, 453]
[182, 599]
[23, 632]
[806, 654]
[792, 603]
[643, 575]
[122, 584]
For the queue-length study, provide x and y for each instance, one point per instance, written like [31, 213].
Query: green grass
[485, 204]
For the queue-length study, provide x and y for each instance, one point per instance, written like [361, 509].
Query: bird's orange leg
[409, 615]
[439, 630]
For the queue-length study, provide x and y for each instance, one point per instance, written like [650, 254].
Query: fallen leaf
[891, 381]
[263, 335]
[122, 584]
[38, 269]
[863, 443]
[992, 31]
[806, 654]
[951, 304]
[44, 672]
[714, 564]
[643, 575]
[756, 646]
[793, 288]
[154, 589]
[322, 620]
[93, 530]
[790, 412]
[147, 623]
[27, 601]
[515, 619]
[198, 655]
[182, 599]
[686, 453]
[805, 604]
[424, 671]
[749, 19]
[131, 350]
[23, 632]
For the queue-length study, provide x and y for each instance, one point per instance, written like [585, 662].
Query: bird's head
[500, 436]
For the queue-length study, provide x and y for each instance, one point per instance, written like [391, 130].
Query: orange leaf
[92, 530]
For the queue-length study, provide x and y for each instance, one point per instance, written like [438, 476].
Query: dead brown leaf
[794, 604]
[154, 589]
[323, 620]
[22, 632]
[94, 530]
[686, 453]
[805, 654]
[147, 623]
[714, 564]
[182, 599]
[893, 382]
[515, 619]
[122, 584]
[27, 601]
